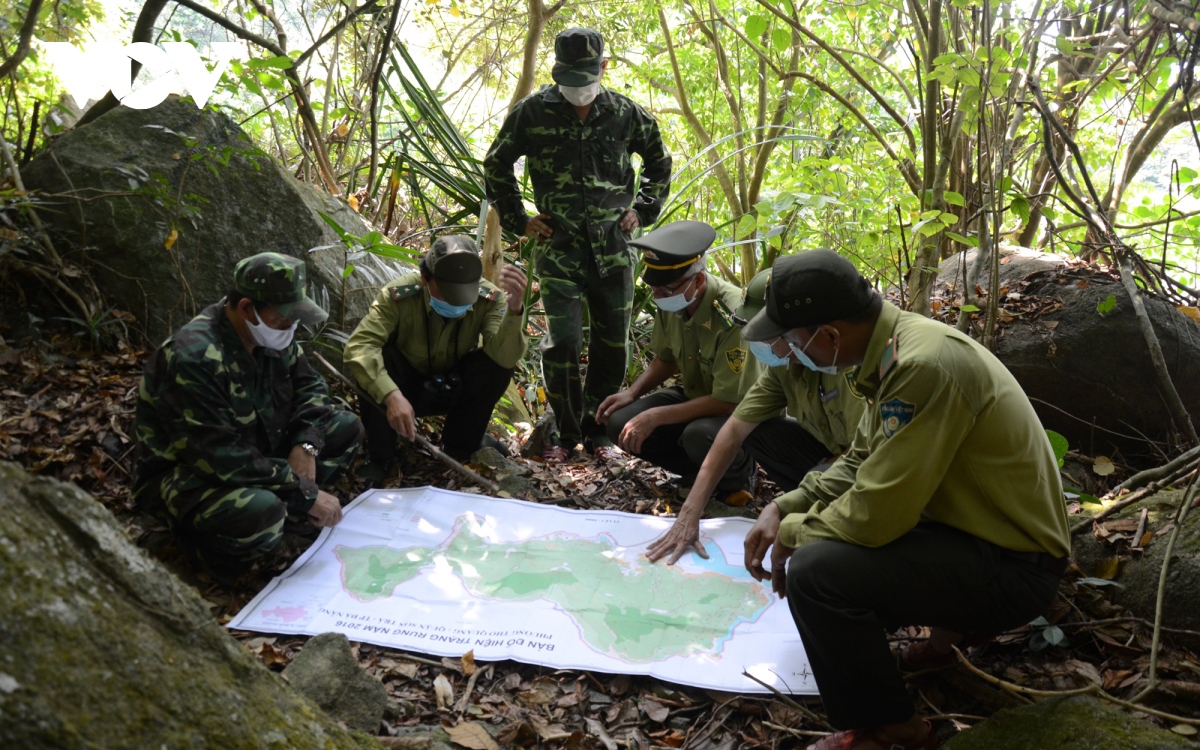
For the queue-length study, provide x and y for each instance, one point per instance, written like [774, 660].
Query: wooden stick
[791, 703]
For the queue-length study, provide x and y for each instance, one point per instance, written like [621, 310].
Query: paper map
[444, 573]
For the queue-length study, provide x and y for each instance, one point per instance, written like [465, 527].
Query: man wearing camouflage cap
[440, 340]
[694, 335]
[821, 409]
[947, 510]
[578, 139]
[235, 429]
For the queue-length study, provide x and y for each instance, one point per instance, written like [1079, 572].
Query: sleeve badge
[736, 359]
[895, 414]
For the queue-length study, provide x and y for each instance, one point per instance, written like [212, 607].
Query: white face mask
[580, 96]
[271, 338]
[676, 302]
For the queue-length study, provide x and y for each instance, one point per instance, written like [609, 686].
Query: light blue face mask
[675, 302]
[447, 310]
[763, 353]
[804, 358]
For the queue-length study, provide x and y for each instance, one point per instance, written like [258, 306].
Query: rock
[102, 647]
[174, 167]
[1090, 375]
[1075, 723]
[510, 475]
[327, 672]
[1139, 576]
[714, 508]
[543, 431]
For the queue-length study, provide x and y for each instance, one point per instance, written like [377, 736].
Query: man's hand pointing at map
[683, 535]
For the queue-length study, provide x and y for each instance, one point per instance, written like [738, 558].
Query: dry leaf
[472, 735]
[512, 681]
[398, 668]
[444, 692]
[1084, 671]
[655, 710]
[596, 729]
[468, 663]
[1191, 312]
[1103, 466]
[1107, 569]
[1187, 730]
[174, 235]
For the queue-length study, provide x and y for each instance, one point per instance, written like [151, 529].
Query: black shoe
[373, 473]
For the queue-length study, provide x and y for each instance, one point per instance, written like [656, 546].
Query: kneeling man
[694, 335]
[235, 428]
[440, 340]
[946, 511]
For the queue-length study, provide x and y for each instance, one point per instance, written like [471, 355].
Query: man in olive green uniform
[822, 412]
[694, 335]
[947, 509]
[440, 340]
[578, 139]
[235, 429]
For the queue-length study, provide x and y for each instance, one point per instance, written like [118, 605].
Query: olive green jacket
[828, 407]
[949, 436]
[401, 317]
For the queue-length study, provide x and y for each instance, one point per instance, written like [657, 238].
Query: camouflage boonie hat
[754, 298]
[454, 262]
[578, 56]
[278, 281]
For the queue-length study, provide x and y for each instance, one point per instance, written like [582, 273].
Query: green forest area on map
[637, 612]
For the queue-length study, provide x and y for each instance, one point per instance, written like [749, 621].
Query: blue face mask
[807, 362]
[763, 353]
[447, 310]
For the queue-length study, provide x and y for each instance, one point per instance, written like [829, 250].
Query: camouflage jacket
[210, 407]
[582, 176]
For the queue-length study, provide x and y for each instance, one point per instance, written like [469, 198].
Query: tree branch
[23, 40]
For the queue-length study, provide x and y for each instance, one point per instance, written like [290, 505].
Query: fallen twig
[792, 704]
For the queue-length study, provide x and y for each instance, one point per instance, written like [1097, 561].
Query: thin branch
[23, 40]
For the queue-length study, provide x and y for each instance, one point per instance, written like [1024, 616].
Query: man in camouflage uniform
[441, 340]
[236, 430]
[577, 139]
[694, 335]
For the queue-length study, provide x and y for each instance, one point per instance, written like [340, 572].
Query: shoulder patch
[852, 386]
[491, 295]
[736, 358]
[889, 358]
[895, 414]
[403, 291]
[723, 312]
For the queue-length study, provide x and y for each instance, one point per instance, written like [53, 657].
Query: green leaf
[1064, 45]
[968, 309]
[756, 26]
[1186, 174]
[782, 39]
[1107, 305]
[968, 76]
[371, 239]
[746, 225]
[1059, 444]
[948, 218]
[1089, 499]
[931, 214]
[336, 227]
[1020, 207]
[347, 271]
[283, 62]
[968, 241]
[953, 198]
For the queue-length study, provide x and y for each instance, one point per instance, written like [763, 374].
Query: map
[446, 572]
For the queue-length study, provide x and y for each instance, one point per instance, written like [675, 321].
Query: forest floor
[68, 414]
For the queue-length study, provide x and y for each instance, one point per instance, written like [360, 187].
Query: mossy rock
[1074, 723]
[100, 646]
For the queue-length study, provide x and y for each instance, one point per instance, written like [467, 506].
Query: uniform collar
[867, 375]
[704, 313]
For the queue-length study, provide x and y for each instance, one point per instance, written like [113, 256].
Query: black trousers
[681, 448]
[785, 450]
[468, 408]
[842, 596]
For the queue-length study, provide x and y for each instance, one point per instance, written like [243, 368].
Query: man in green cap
[946, 511]
[440, 340]
[578, 139]
[694, 335]
[235, 428]
[822, 411]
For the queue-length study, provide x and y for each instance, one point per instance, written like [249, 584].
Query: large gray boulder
[1090, 375]
[121, 185]
[101, 647]
[326, 671]
[1075, 723]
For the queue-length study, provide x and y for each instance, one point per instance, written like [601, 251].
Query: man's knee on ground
[618, 420]
[242, 514]
[345, 432]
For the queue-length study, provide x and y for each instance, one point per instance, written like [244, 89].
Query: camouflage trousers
[609, 302]
[227, 527]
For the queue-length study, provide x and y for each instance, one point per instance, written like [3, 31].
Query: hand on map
[761, 537]
[325, 511]
[400, 414]
[303, 464]
[683, 535]
[637, 430]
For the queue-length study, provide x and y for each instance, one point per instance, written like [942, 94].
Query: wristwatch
[310, 449]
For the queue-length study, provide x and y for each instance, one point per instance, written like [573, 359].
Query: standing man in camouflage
[235, 429]
[577, 138]
[694, 335]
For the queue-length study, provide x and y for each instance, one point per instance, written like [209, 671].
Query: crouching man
[440, 340]
[235, 428]
[946, 510]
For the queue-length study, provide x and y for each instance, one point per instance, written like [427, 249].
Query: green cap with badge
[808, 289]
[668, 252]
[754, 298]
[578, 57]
[454, 263]
[278, 281]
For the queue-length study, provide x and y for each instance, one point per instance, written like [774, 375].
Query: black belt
[1056, 565]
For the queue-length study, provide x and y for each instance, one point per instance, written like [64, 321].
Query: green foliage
[1106, 306]
[1059, 444]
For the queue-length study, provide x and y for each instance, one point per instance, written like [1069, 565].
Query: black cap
[808, 289]
[669, 250]
[454, 262]
[578, 57]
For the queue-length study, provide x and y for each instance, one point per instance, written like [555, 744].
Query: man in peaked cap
[440, 340]
[694, 335]
[236, 430]
[793, 420]
[578, 139]
[946, 510]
